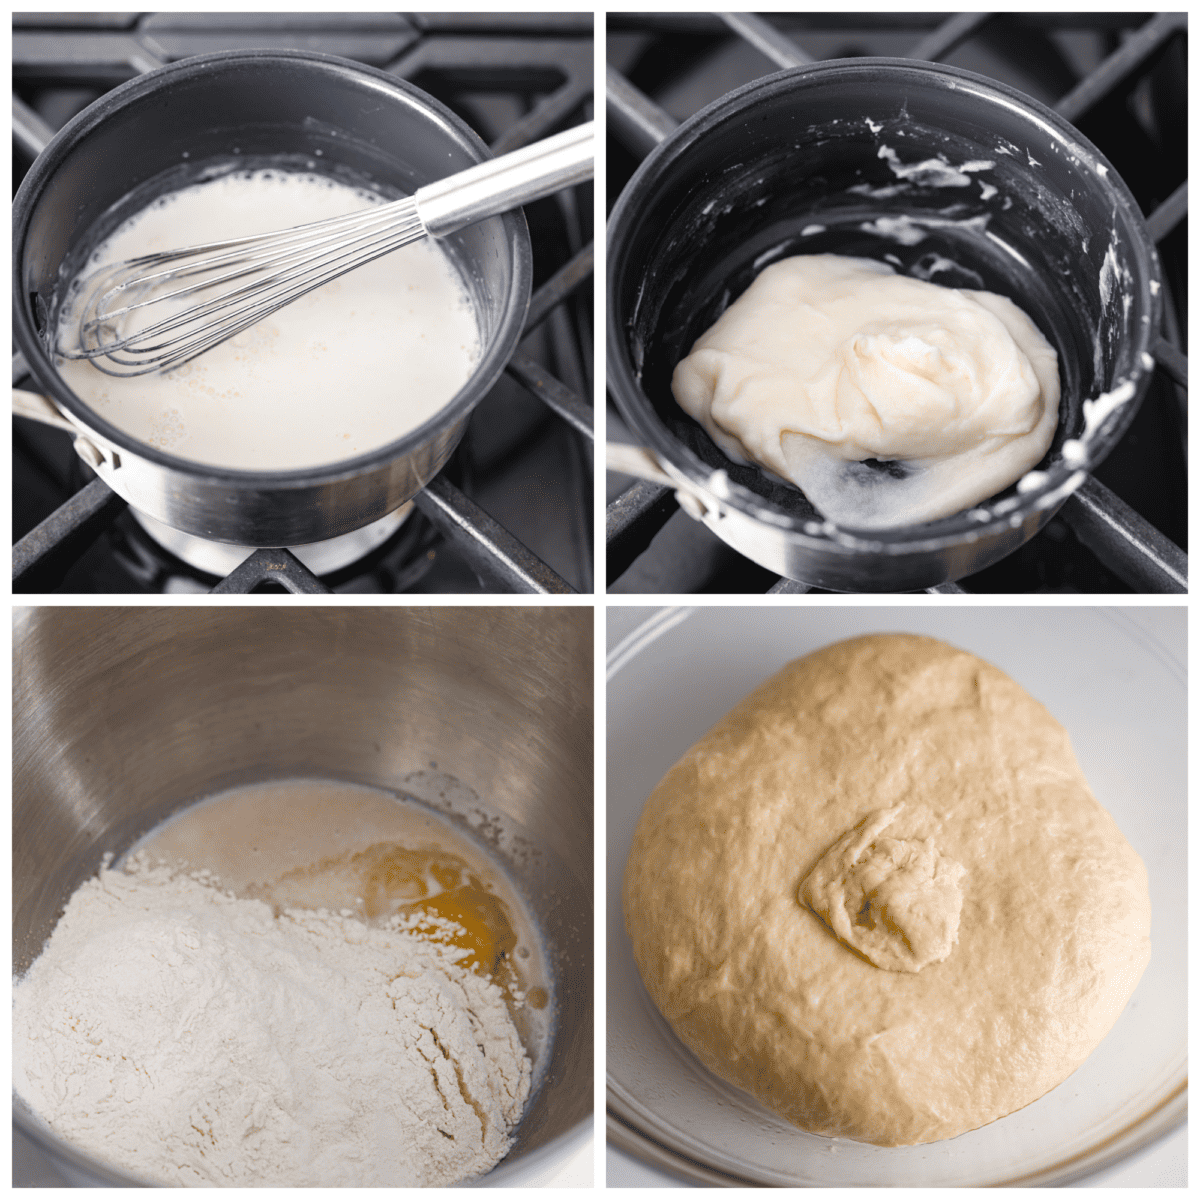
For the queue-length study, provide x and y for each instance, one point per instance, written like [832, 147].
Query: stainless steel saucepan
[804, 162]
[164, 130]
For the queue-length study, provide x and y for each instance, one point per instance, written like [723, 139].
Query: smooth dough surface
[932, 804]
[825, 362]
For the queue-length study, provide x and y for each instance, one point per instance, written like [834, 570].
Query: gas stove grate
[1127, 551]
[515, 78]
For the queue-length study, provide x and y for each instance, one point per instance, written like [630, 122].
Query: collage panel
[309, 607]
[896, 302]
[303, 896]
[399, 401]
[896, 896]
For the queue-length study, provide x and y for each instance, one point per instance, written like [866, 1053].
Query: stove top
[512, 511]
[1122, 80]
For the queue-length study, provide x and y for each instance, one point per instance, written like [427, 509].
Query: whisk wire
[136, 316]
[308, 267]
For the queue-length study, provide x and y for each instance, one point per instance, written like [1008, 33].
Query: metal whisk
[137, 316]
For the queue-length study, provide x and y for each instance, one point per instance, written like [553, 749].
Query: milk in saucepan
[342, 371]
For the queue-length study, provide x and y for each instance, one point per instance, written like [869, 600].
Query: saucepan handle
[503, 183]
[39, 408]
[644, 464]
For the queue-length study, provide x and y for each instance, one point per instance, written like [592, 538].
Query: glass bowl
[1116, 678]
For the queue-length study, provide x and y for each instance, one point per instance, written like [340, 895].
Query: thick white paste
[825, 362]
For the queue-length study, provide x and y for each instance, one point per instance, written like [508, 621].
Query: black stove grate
[513, 509]
[1122, 80]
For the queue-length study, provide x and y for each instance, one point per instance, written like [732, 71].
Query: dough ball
[887, 400]
[880, 896]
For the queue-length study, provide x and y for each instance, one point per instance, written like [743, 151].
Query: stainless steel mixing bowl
[123, 715]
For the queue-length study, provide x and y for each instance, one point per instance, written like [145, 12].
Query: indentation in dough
[896, 901]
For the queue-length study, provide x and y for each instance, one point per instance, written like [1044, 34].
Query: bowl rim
[1169, 1116]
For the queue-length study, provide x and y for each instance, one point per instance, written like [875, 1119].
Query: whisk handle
[508, 181]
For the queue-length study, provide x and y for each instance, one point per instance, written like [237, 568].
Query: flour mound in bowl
[888, 401]
[196, 1039]
[880, 896]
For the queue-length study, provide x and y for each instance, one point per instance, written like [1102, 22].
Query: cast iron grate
[1122, 531]
[513, 510]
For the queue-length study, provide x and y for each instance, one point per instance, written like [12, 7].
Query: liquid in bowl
[320, 844]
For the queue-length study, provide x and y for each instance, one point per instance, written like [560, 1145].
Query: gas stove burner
[1119, 79]
[391, 555]
[513, 512]
[219, 559]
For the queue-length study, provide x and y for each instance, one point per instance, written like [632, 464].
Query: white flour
[197, 1040]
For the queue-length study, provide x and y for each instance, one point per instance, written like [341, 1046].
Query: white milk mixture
[346, 369]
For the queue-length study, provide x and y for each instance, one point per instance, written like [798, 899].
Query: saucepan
[862, 157]
[125, 715]
[162, 131]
